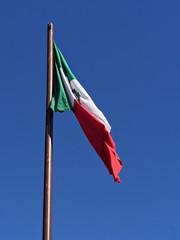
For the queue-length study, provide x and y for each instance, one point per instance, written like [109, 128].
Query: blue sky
[126, 54]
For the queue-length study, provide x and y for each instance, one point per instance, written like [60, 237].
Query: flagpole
[47, 211]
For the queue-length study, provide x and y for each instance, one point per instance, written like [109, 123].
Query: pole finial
[50, 25]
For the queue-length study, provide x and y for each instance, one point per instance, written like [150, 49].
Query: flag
[68, 94]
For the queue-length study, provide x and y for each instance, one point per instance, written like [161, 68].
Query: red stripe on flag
[100, 139]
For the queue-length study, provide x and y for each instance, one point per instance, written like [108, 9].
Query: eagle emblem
[77, 94]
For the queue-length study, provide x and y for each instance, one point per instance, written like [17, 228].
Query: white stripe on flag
[67, 87]
[88, 103]
[85, 99]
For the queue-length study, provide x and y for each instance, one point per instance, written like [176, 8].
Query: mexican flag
[68, 94]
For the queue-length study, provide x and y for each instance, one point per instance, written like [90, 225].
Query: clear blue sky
[127, 55]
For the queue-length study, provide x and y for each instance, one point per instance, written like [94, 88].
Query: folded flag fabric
[68, 94]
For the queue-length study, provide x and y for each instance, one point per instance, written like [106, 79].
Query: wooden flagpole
[47, 211]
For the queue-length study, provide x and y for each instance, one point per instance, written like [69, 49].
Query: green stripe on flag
[59, 102]
[62, 63]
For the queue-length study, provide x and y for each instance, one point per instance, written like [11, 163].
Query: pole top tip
[50, 24]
